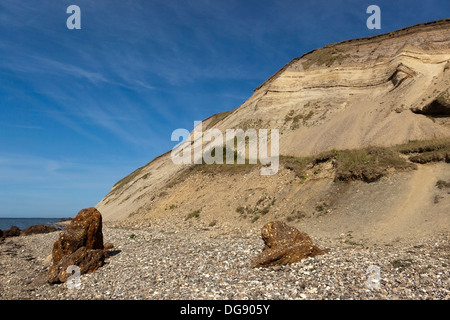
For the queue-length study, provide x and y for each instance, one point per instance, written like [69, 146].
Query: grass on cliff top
[325, 56]
[421, 146]
[371, 163]
[215, 169]
[223, 168]
[426, 151]
[366, 164]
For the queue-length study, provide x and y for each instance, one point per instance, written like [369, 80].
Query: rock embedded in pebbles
[34, 229]
[85, 230]
[284, 245]
[88, 260]
[80, 244]
[38, 228]
[11, 232]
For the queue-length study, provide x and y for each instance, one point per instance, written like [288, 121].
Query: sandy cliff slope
[378, 91]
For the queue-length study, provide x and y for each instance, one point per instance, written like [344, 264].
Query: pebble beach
[158, 263]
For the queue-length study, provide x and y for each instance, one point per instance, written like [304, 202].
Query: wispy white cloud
[25, 170]
[30, 64]
[16, 169]
[21, 126]
[43, 186]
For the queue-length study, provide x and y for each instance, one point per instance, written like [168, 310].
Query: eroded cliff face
[383, 90]
[355, 93]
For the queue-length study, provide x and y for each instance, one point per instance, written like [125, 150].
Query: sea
[22, 223]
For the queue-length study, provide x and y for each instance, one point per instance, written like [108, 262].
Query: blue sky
[81, 109]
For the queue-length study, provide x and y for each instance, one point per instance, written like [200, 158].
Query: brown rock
[283, 245]
[81, 244]
[38, 228]
[88, 260]
[91, 220]
[85, 230]
[11, 232]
